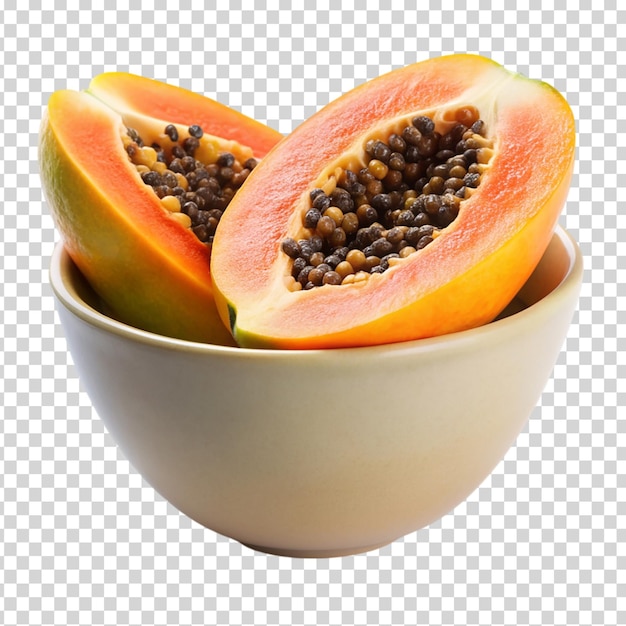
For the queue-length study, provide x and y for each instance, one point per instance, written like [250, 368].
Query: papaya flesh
[137, 251]
[476, 260]
[136, 97]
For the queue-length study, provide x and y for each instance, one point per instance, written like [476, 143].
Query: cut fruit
[131, 240]
[496, 226]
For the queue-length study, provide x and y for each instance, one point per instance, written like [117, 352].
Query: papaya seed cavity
[193, 179]
[408, 190]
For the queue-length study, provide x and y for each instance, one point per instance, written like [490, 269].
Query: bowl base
[314, 553]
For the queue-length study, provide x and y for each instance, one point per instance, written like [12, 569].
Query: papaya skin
[149, 271]
[463, 279]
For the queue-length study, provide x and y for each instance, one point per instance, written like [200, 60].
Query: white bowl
[320, 453]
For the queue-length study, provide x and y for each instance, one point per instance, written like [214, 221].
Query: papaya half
[137, 173]
[415, 205]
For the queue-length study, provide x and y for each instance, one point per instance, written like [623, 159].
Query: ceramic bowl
[320, 453]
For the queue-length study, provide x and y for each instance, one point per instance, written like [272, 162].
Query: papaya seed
[146, 156]
[325, 225]
[196, 190]
[378, 169]
[424, 124]
[171, 203]
[344, 269]
[317, 260]
[335, 213]
[409, 190]
[182, 219]
[331, 278]
[196, 131]
[172, 132]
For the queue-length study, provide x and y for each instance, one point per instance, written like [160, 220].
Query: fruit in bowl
[322, 350]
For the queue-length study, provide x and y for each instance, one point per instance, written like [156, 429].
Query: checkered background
[86, 541]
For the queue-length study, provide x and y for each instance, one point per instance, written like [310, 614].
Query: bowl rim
[70, 300]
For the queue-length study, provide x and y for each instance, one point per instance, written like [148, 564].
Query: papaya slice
[378, 163]
[104, 159]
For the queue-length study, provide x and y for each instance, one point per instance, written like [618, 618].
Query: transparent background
[86, 541]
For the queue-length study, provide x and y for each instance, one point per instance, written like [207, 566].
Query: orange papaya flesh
[138, 96]
[462, 279]
[148, 267]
